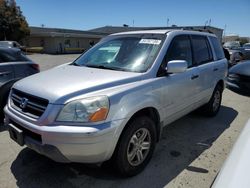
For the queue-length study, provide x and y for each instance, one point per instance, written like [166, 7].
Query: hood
[242, 68]
[64, 82]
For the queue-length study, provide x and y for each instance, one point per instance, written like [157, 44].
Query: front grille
[28, 104]
[245, 78]
[234, 78]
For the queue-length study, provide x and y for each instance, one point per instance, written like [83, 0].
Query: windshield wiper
[75, 64]
[105, 67]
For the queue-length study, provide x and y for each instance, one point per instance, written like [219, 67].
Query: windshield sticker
[150, 41]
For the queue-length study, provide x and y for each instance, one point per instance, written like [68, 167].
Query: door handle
[194, 77]
[215, 69]
[4, 73]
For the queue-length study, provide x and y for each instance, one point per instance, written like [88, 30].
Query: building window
[42, 42]
[67, 43]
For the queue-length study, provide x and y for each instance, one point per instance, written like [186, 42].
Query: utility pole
[167, 22]
[209, 23]
[225, 27]
[206, 23]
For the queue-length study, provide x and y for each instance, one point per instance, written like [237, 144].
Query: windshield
[246, 45]
[135, 53]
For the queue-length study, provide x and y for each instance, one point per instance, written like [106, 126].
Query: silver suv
[113, 101]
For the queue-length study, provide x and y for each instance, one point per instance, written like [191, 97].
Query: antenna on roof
[167, 22]
[209, 23]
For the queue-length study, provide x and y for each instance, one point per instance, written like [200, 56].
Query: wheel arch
[221, 83]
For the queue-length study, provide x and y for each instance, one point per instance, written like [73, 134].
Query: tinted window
[12, 56]
[202, 52]
[218, 48]
[180, 49]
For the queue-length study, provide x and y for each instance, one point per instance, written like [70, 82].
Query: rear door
[220, 62]
[203, 59]
[179, 89]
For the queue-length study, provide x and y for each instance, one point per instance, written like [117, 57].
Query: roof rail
[205, 29]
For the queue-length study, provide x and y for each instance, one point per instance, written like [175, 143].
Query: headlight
[85, 110]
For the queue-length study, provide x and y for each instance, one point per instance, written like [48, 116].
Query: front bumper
[87, 144]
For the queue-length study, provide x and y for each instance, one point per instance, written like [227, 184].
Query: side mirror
[176, 66]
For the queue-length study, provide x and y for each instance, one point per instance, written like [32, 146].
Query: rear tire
[135, 147]
[213, 106]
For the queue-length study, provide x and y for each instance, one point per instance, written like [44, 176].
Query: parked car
[231, 44]
[14, 65]
[11, 44]
[237, 52]
[234, 172]
[246, 46]
[236, 56]
[113, 104]
[239, 77]
[246, 51]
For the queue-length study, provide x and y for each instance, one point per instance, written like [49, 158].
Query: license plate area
[16, 134]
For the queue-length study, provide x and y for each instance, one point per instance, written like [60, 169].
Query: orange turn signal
[99, 115]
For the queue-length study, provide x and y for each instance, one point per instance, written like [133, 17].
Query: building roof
[58, 32]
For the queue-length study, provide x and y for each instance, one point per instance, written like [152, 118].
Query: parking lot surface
[189, 154]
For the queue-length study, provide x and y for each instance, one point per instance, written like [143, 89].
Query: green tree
[13, 25]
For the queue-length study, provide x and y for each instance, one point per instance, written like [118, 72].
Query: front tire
[135, 147]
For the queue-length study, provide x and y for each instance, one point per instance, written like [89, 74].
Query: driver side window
[180, 49]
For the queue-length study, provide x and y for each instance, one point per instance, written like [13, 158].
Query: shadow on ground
[242, 92]
[182, 142]
[2, 127]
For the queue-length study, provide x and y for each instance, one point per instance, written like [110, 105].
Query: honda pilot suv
[113, 101]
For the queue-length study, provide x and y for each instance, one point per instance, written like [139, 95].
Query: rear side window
[180, 49]
[201, 49]
[12, 56]
[217, 48]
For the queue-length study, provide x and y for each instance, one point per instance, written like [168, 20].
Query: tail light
[35, 66]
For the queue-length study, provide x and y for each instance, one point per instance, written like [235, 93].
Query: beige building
[57, 41]
[235, 38]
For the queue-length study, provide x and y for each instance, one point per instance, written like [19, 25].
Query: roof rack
[205, 29]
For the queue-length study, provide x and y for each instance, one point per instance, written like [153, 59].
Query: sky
[231, 15]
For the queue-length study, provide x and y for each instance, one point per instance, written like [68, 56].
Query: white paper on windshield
[150, 41]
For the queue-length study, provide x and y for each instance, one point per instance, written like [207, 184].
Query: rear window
[217, 48]
[201, 49]
[12, 56]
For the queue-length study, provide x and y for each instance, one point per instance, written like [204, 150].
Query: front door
[179, 90]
